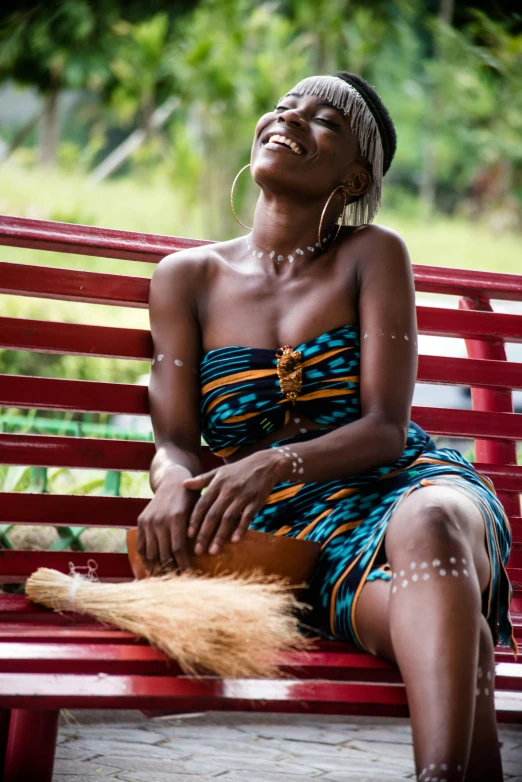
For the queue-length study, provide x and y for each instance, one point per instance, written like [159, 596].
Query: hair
[380, 114]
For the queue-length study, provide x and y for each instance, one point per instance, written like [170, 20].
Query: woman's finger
[246, 517]
[200, 481]
[200, 510]
[229, 522]
[210, 523]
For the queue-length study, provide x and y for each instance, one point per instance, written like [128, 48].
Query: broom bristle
[231, 625]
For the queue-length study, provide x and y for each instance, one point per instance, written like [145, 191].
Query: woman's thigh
[438, 510]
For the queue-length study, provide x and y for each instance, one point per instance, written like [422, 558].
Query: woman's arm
[388, 368]
[174, 407]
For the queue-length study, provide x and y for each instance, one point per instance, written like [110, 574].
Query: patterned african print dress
[242, 400]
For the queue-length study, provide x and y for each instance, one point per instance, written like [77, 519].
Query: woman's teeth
[289, 143]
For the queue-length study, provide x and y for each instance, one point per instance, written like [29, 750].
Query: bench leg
[5, 716]
[31, 745]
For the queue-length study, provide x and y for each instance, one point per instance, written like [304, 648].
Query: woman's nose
[290, 117]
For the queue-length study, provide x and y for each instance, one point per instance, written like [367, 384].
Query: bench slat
[129, 291]
[59, 509]
[21, 564]
[49, 282]
[89, 240]
[469, 324]
[48, 451]
[97, 397]
[105, 454]
[94, 511]
[75, 339]
[49, 393]
[80, 339]
[130, 245]
[85, 658]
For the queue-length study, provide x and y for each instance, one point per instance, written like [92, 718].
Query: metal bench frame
[51, 661]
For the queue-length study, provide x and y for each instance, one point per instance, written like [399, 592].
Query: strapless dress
[242, 400]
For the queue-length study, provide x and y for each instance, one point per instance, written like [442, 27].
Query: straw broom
[231, 625]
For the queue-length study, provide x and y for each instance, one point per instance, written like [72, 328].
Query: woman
[294, 352]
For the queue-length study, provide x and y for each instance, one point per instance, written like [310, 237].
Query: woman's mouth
[277, 142]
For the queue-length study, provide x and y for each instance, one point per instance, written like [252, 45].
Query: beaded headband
[362, 122]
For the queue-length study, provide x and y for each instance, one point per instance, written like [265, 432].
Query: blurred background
[138, 114]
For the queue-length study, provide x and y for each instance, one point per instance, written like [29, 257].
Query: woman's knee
[429, 521]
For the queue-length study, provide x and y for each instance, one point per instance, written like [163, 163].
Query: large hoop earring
[232, 197]
[324, 212]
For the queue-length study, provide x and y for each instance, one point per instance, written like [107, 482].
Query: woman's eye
[327, 122]
[280, 108]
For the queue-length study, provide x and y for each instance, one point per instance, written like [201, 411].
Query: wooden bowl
[287, 557]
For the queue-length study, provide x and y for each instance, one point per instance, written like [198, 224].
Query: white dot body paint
[426, 577]
[299, 460]
[178, 362]
[161, 357]
[424, 565]
[297, 420]
[303, 430]
[454, 572]
[442, 571]
[465, 572]
[405, 582]
[464, 561]
[401, 573]
[406, 338]
[393, 335]
[479, 673]
[436, 563]
[153, 361]
[413, 565]
[453, 561]
[394, 589]
[489, 675]
[395, 575]
[444, 766]
[300, 469]
[415, 577]
[431, 766]
[486, 691]
[365, 335]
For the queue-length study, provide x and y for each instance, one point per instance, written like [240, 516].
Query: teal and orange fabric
[242, 400]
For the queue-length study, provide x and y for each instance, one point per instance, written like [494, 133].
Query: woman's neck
[282, 229]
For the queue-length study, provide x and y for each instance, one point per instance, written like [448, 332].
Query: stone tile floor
[125, 745]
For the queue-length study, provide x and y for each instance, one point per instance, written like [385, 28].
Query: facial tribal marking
[414, 575]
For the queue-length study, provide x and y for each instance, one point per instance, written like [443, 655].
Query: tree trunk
[428, 176]
[49, 128]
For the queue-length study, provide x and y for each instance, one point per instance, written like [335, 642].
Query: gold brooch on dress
[289, 372]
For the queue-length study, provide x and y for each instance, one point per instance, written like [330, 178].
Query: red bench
[50, 661]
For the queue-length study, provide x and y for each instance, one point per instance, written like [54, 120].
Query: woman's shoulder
[373, 234]
[377, 245]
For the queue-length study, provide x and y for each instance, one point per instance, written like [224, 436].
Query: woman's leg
[434, 625]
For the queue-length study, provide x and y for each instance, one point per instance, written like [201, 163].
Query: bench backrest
[491, 423]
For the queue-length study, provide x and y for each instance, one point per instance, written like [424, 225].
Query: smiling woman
[304, 389]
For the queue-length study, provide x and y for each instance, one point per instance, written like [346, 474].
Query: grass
[153, 206]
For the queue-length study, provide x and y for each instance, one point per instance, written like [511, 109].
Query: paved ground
[244, 748]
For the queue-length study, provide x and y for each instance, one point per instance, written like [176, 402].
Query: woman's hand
[162, 525]
[234, 494]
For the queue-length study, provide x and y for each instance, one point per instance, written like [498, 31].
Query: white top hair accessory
[362, 122]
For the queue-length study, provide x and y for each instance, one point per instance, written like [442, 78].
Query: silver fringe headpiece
[362, 122]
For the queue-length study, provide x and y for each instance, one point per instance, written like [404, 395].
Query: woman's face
[304, 145]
